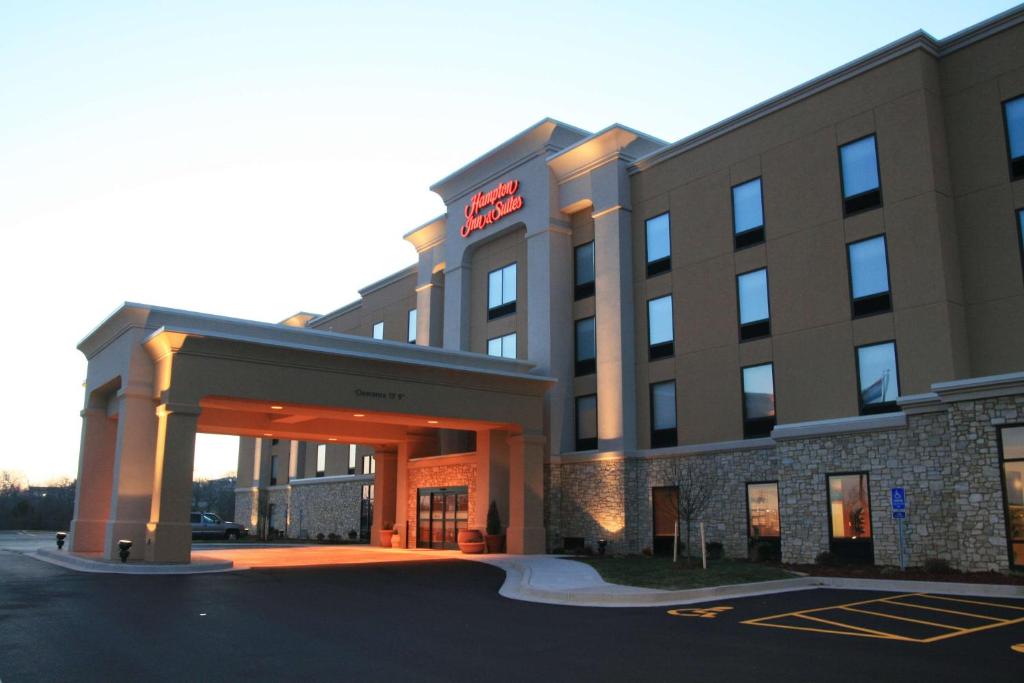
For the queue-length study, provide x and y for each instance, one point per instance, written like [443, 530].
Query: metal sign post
[898, 500]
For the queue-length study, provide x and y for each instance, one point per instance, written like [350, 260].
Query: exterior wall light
[61, 535]
[125, 545]
[602, 544]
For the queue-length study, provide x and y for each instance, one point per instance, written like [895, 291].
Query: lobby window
[858, 166]
[849, 515]
[878, 378]
[273, 470]
[351, 469]
[378, 330]
[752, 290]
[412, 326]
[586, 347]
[1011, 442]
[501, 291]
[747, 214]
[586, 422]
[663, 414]
[369, 464]
[321, 459]
[659, 245]
[660, 336]
[869, 276]
[763, 511]
[584, 270]
[758, 401]
[1013, 118]
[502, 347]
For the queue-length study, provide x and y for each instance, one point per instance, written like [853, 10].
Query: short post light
[126, 546]
[61, 535]
[602, 544]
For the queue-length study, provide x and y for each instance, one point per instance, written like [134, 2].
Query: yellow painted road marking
[755, 622]
[973, 602]
[880, 634]
[1019, 647]
[946, 611]
[704, 612]
[893, 616]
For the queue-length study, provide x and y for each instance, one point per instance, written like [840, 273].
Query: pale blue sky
[255, 158]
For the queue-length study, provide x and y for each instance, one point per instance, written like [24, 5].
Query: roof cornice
[389, 280]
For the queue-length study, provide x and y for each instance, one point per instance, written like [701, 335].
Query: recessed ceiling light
[277, 407]
[332, 439]
[358, 415]
[431, 422]
[268, 435]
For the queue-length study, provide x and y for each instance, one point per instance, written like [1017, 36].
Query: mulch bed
[911, 574]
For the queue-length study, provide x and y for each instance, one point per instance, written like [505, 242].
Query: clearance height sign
[487, 207]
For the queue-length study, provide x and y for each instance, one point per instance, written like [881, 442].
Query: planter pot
[396, 540]
[471, 541]
[385, 537]
[495, 543]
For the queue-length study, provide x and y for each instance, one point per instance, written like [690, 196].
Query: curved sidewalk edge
[78, 563]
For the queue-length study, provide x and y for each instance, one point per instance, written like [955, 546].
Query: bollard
[125, 545]
[61, 535]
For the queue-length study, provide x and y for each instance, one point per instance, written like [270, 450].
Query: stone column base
[87, 535]
[132, 530]
[169, 542]
[525, 540]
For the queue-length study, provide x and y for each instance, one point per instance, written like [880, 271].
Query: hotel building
[798, 309]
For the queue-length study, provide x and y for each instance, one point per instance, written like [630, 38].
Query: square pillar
[525, 533]
[492, 473]
[95, 481]
[458, 290]
[169, 532]
[385, 484]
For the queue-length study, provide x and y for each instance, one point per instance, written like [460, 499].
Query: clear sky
[256, 158]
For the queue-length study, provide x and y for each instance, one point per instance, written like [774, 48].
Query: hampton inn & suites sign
[487, 207]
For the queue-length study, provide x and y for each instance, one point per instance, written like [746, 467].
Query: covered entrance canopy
[158, 376]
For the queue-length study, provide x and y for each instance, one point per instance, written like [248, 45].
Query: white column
[169, 532]
[95, 480]
[457, 296]
[526, 533]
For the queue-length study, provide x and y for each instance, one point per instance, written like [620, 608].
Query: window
[849, 515]
[752, 289]
[878, 378]
[378, 330]
[1011, 445]
[586, 422]
[763, 511]
[858, 168]
[660, 336]
[502, 347]
[321, 459]
[369, 464]
[584, 270]
[501, 292]
[758, 401]
[586, 347]
[273, 470]
[747, 214]
[659, 245]
[1013, 119]
[1020, 236]
[663, 414]
[351, 459]
[412, 325]
[869, 276]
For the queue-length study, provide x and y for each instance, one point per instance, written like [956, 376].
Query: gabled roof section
[614, 142]
[427, 235]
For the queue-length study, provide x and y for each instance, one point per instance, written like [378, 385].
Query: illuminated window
[502, 347]
[412, 326]
[321, 459]
[586, 347]
[1013, 118]
[369, 464]
[584, 271]
[878, 378]
[586, 422]
[858, 166]
[660, 334]
[1011, 441]
[659, 245]
[758, 400]
[763, 511]
[663, 414]
[378, 330]
[501, 292]
[849, 515]
[869, 276]
[752, 290]
[351, 469]
[747, 214]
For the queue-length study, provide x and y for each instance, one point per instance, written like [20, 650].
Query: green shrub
[937, 565]
[493, 520]
[827, 559]
[765, 551]
[352, 534]
[714, 550]
[320, 537]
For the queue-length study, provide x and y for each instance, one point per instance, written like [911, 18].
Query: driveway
[315, 555]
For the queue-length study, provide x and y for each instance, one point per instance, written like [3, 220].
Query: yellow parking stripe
[756, 622]
[974, 602]
[893, 616]
[947, 611]
[986, 627]
[879, 634]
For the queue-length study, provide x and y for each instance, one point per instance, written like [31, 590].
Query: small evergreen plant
[493, 520]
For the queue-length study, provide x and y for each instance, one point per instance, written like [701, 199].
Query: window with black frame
[503, 346]
[378, 330]
[869, 276]
[501, 291]
[747, 214]
[755, 315]
[583, 271]
[663, 414]
[586, 347]
[849, 512]
[660, 335]
[1011, 442]
[758, 400]
[586, 422]
[1013, 119]
[764, 531]
[411, 336]
[659, 244]
[1020, 237]
[858, 166]
[878, 378]
[273, 470]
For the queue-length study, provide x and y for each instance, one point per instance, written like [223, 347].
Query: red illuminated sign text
[487, 207]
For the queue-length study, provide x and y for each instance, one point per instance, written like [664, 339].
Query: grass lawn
[660, 572]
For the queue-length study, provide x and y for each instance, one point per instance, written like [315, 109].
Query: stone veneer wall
[326, 506]
[461, 472]
[246, 506]
[948, 461]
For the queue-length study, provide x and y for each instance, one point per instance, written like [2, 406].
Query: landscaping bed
[871, 571]
[661, 572]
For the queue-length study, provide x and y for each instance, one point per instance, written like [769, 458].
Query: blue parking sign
[899, 514]
[899, 499]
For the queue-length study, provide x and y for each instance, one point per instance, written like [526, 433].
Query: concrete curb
[83, 564]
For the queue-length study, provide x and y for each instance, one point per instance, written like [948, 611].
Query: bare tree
[697, 486]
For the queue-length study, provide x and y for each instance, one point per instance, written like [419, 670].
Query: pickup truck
[209, 525]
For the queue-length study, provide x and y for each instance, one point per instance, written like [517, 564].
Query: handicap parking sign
[899, 514]
[899, 499]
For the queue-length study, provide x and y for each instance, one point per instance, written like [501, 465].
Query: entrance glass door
[440, 515]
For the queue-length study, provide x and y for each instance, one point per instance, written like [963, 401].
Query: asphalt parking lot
[443, 620]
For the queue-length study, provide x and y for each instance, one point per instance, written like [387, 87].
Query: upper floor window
[352, 448]
[663, 414]
[586, 346]
[412, 326]
[369, 464]
[586, 422]
[758, 400]
[273, 470]
[755, 319]
[378, 330]
[501, 291]
[747, 214]
[660, 335]
[321, 459]
[502, 347]
[869, 276]
[584, 271]
[1013, 116]
[659, 245]
[878, 378]
[858, 165]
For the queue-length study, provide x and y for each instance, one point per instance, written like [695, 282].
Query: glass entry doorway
[665, 504]
[440, 514]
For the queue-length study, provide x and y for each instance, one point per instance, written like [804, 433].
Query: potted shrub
[495, 537]
[471, 541]
[386, 532]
